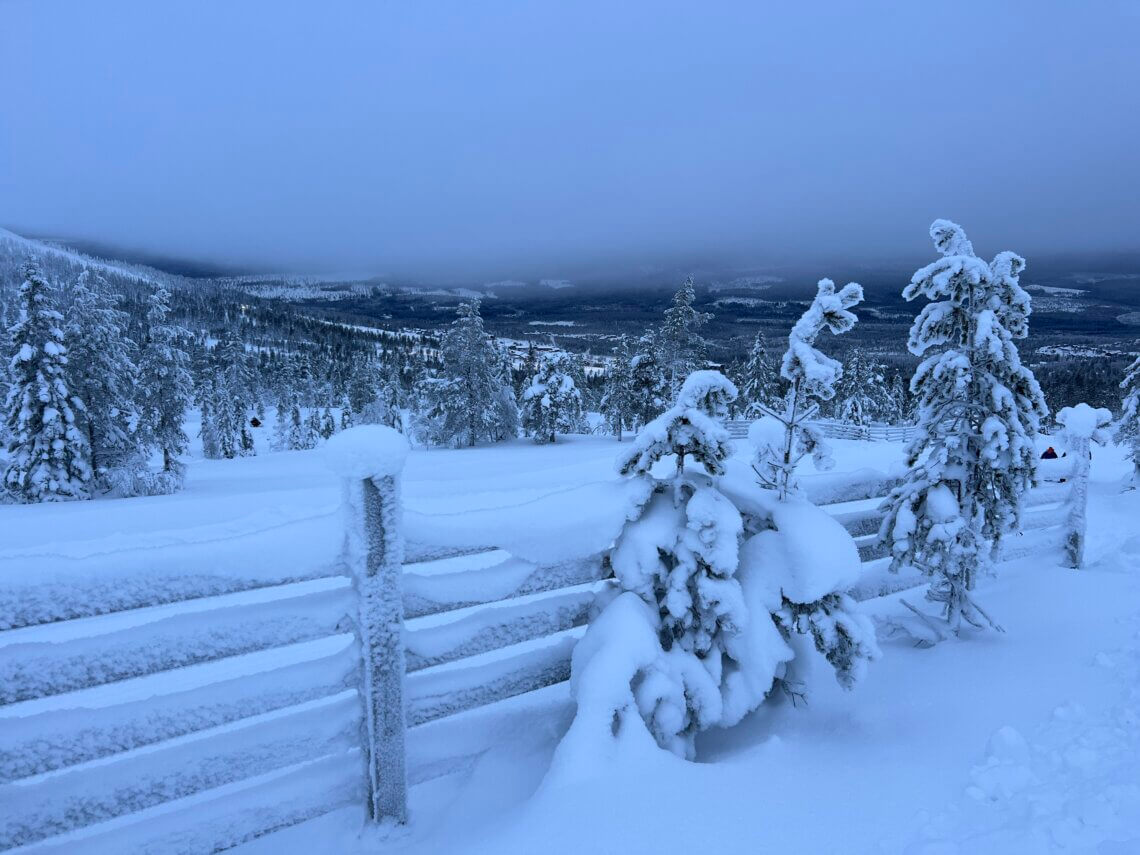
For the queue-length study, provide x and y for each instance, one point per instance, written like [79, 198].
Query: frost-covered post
[1082, 425]
[370, 458]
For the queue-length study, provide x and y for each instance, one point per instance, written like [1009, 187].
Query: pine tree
[681, 346]
[328, 424]
[362, 389]
[208, 426]
[472, 400]
[312, 431]
[48, 455]
[650, 389]
[528, 369]
[552, 403]
[979, 410]
[303, 432]
[785, 436]
[505, 406]
[165, 384]
[347, 419]
[282, 425]
[1128, 428]
[899, 403]
[245, 445]
[617, 404]
[862, 397]
[760, 383]
[226, 422]
[235, 394]
[679, 555]
[102, 373]
[812, 598]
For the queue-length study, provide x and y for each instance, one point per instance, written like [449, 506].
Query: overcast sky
[496, 138]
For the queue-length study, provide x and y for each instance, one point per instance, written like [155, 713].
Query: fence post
[1082, 425]
[371, 459]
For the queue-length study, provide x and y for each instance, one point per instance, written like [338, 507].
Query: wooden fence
[738, 429]
[209, 719]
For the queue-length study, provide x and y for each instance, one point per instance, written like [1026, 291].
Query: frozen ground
[1022, 742]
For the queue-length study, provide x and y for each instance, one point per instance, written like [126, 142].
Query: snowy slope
[14, 246]
[980, 739]
[1017, 743]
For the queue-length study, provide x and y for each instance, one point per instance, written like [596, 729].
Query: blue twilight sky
[478, 137]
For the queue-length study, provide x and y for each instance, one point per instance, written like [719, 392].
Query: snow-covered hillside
[14, 249]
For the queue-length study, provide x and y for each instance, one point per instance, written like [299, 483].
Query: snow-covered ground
[1021, 742]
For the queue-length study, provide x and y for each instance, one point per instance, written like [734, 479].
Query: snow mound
[622, 643]
[1085, 421]
[766, 435]
[808, 556]
[368, 451]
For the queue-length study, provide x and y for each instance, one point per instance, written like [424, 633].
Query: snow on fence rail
[854, 499]
[738, 429]
[192, 720]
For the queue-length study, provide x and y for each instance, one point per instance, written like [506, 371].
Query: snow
[368, 451]
[1085, 421]
[1030, 748]
[808, 554]
[608, 725]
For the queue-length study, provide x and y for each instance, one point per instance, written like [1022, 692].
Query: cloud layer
[467, 139]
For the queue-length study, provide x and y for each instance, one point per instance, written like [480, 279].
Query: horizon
[652, 275]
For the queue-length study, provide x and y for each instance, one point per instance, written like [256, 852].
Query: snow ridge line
[227, 534]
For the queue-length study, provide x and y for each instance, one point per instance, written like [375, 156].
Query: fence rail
[738, 429]
[218, 715]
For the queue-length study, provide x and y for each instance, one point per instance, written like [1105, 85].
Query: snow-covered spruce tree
[679, 555]
[681, 346]
[805, 558]
[313, 428]
[650, 388]
[1128, 427]
[347, 419]
[165, 389]
[235, 392]
[224, 431]
[617, 402]
[383, 408]
[899, 402]
[301, 432]
[552, 403]
[49, 459]
[245, 446]
[696, 630]
[207, 425]
[760, 382]
[785, 436]
[862, 396]
[226, 421]
[979, 410]
[101, 371]
[472, 399]
[328, 423]
[282, 423]
[506, 406]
